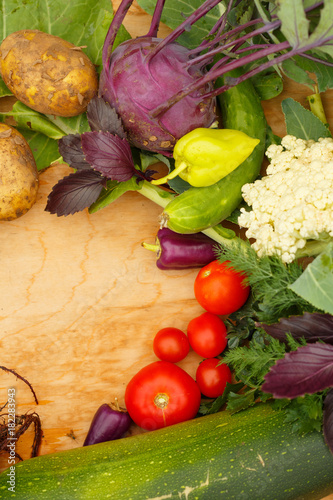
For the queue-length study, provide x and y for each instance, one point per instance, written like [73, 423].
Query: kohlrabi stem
[216, 72]
[113, 30]
[155, 22]
[192, 18]
[230, 34]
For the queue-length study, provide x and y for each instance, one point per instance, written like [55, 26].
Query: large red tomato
[219, 289]
[212, 376]
[207, 335]
[161, 394]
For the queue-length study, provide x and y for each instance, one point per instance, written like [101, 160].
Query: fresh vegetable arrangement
[269, 360]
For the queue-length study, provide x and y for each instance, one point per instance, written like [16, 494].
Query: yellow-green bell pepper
[206, 155]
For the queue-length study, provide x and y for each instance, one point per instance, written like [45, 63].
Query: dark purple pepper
[182, 251]
[109, 423]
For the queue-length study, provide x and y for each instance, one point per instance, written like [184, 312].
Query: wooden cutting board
[82, 300]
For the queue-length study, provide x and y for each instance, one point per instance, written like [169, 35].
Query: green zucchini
[199, 208]
[248, 455]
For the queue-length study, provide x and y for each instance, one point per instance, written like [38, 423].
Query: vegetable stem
[317, 107]
[162, 197]
[158, 195]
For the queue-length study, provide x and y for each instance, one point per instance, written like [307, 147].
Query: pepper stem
[171, 175]
[150, 246]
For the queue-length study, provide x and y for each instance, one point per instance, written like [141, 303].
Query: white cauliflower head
[293, 203]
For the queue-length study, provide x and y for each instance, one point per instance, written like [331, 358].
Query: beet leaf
[307, 370]
[310, 326]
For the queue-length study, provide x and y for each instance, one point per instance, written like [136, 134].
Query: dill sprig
[269, 279]
[251, 363]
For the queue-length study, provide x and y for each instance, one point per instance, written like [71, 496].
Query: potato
[47, 73]
[18, 174]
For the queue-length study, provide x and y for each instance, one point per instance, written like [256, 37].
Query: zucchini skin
[197, 209]
[249, 455]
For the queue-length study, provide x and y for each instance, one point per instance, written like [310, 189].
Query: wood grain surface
[82, 300]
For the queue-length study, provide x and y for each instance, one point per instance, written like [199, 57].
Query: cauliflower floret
[293, 203]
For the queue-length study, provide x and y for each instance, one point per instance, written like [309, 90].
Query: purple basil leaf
[311, 326]
[70, 149]
[109, 154]
[328, 419]
[307, 370]
[101, 116]
[75, 192]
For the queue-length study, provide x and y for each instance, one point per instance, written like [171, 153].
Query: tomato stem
[161, 400]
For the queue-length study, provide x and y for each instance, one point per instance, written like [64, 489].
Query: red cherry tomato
[212, 377]
[219, 289]
[207, 335]
[161, 394]
[171, 344]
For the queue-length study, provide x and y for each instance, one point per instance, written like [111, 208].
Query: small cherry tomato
[162, 394]
[207, 335]
[212, 377]
[219, 289]
[171, 344]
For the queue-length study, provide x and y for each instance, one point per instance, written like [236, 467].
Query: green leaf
[324, 28]
[26, 118]
[294, 24]
[301, 122]
[296, 73]
[81, 22]
[315, 284]
[74, 125]
[44, 149]
[113, 192]
[4, 90]
[174, 13]
[267, 85]
[238, 402]
[324, 73]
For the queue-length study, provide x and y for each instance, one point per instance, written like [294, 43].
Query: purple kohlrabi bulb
[134, 84]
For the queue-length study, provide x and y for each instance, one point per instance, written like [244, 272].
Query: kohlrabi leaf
[28, 119]
[4, 90]
[301, 122]
[292, 70]
[315, 284]
[307, 370]
[323, 72]
[324, 29]
[81, 22]
[74, 125]
[70, 148]
[294, 24]
[174, 13]
[310, 326]
[108, 154]
[75, 192]
[44, 149]
[328, 419]
[101, 116]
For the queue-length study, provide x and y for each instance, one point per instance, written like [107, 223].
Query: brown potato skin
[47, 73]
[18, 174]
